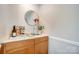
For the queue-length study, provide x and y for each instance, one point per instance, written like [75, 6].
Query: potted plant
[40, 29]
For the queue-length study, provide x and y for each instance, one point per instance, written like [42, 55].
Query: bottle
[14, 31]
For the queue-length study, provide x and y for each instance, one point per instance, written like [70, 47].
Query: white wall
[12, 14]
[8, 17]
[61, 21]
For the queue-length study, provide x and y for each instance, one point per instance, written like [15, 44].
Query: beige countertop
[18, 38]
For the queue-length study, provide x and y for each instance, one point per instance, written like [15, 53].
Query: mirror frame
[25, 17]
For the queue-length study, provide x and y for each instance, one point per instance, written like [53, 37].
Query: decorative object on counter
[22, 29]
[18, 31]
[14, 31]
[41, 29]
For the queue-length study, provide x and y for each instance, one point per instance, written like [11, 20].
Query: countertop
[18, 38]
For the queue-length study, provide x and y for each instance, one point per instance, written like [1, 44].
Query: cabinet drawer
[19, 44]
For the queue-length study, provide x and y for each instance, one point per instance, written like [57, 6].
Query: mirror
[32, 19]
[30, 16]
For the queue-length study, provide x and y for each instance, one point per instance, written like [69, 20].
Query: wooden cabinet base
[32, 46]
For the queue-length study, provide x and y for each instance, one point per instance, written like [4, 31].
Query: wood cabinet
[41, 45]
[30, 46]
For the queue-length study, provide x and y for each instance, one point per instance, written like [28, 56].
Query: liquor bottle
[14, 31]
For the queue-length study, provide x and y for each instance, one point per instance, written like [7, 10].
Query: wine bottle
[14, 31]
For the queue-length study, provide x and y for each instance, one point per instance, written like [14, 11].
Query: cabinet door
[41, 45]
[2, 49]
[20, 47]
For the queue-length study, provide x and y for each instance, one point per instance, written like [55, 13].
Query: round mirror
[30, 17]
